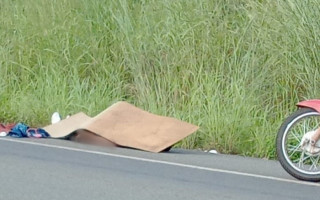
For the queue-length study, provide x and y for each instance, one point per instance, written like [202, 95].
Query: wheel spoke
[293, 150]
[314, 163]
[296, 160]
[301, 159]
[295, 136]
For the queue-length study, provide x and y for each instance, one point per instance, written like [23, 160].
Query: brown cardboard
[65, 127]
[129, 126]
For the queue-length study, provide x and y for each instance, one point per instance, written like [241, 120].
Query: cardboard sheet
[67, 126]
[126, 125]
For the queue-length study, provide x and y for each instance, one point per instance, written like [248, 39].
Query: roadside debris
[212, 151]
[3, 134]
[122, 124]
[55, 118]
[20, 130]
[5, 128]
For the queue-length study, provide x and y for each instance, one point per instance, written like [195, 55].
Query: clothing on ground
[22, 130]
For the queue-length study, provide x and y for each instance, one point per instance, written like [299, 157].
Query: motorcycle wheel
[296, 161]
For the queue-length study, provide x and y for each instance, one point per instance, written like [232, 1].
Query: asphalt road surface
[59, 169]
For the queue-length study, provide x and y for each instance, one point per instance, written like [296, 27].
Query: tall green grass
[236, 68]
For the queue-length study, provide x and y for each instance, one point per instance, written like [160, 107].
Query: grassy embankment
[236, 68]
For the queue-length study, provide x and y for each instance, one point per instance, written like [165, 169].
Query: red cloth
[6, 128]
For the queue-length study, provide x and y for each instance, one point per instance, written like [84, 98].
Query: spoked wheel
[292, 146]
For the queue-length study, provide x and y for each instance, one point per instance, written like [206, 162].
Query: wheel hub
[307, 146]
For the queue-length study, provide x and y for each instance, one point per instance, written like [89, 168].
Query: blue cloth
[22, 130]
[19, 130]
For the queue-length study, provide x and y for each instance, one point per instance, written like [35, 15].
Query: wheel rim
[298, 159]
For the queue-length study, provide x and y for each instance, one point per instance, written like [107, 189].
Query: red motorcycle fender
[313, 103]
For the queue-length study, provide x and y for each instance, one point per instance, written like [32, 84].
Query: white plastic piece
[213, 151]
[3, 134]
[55, 118]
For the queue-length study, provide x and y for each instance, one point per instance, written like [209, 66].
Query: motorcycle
[297, 151]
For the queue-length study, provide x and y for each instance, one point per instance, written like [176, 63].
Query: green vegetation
[236, 68]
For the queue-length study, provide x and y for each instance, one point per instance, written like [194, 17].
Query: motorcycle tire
[296, 161]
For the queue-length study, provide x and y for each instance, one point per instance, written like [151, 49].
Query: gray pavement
[60, 169]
